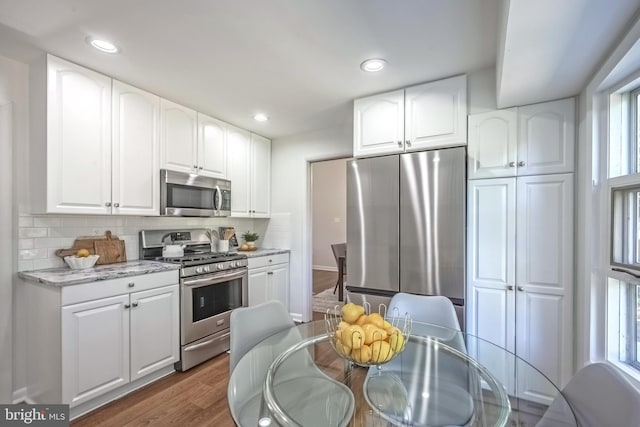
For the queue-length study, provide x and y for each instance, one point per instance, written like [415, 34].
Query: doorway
[329, 226]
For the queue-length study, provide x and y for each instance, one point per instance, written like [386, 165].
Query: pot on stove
[169, 251]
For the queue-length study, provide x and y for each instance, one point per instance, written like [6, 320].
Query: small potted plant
[250, 239]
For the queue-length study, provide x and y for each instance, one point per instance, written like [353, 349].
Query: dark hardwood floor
[197, 397]
[324, 280]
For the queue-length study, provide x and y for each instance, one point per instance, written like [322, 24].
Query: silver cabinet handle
[116, 205]
[520, 163]
[521, 288]
[195, 167]
[270, 273]
[408, 143]
[512, 164]
[201, 167]
[127, 306]
[510, 287]
[135, 304]
[399, 143]
[107, 204]
[131, 284]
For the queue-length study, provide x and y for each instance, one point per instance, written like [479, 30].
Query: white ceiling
[298, 60]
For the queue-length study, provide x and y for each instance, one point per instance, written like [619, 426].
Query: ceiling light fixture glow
[373, 65]
[260, 117]
[103, 45]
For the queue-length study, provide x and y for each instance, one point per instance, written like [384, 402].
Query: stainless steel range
[211, 285]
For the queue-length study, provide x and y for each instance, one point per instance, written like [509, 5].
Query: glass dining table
[443, 377]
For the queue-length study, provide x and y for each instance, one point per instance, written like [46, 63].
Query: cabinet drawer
[267, 260]
[72, 294]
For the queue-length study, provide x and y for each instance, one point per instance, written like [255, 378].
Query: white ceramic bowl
[78, 263]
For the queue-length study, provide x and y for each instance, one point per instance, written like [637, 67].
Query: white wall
[329, 210]
[13, 92]
[290, 183]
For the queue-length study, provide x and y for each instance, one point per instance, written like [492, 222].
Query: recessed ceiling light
[260, 117]
[372, 65]
[103, 45]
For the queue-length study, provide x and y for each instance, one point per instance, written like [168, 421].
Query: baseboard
[20, 396]
[325, 268]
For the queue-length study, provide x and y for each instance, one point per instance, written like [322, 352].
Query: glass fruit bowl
[364, 337]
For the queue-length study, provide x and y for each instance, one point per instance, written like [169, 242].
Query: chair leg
[340, 283]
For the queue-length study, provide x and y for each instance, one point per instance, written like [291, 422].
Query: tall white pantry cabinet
[520, 239]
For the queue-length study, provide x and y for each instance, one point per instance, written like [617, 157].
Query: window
[623, 292]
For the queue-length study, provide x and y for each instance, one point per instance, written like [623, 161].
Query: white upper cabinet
[429, 115]
[546, 138]
[95, 143]
[212, 147]
[135, 151]
[493, 144]
[238, 155]
[260, 176]
[535, 139]
[379, 124]
[179, 137]
[249, 169]
[71, 139]
[435, 114]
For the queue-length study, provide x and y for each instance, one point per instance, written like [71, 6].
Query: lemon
[353, 336]
[373, 333]
[381, 352]
[362, 354]
[396, 341]
[351, 312]
[82, 253]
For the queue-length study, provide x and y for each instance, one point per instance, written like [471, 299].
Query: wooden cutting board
[109, 247]
[111, 250]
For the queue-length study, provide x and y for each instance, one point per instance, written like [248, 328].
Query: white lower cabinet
[520, 276]
[106, 336]
[269, 279]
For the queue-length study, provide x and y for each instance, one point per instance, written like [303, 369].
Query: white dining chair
[312, 398]
[599, 395]
[447, 372]
[250, 325]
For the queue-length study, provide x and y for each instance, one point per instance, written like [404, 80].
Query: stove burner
[202, 258]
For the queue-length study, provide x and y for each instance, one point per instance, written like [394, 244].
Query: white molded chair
[446, 371]
[250, 325]
[437, 310]
[600, 396]
[311, 397]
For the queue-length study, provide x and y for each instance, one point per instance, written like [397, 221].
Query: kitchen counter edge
[264, 252]
[64, 276]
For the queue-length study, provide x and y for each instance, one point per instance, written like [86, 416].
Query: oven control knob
[232, 264]
[206, 268]
[220, 266]
[198, 269]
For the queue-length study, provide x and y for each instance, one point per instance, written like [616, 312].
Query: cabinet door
[260, 177]
[239, 154]
[436, 114]
[378, 124]
[178, 137]
[155, 332]
[212, 147]
[136, 151]
[491, 237]
[492, 144]
[78, 139]
[279, 286]
[546, 140]
[258, 286]
[545, 278]
[95, 348]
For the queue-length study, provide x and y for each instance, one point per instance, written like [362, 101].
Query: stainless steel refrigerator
[406, 226]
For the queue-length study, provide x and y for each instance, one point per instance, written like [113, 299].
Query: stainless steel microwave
[184, 194]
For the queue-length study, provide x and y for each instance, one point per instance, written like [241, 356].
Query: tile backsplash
[40, 236]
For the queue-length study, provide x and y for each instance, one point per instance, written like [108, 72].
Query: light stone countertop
[264, 252]
[63, 276]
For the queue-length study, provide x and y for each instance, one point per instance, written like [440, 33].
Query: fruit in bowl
[78, 262]
[365, 338]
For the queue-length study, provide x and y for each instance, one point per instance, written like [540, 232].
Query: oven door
[207, 301]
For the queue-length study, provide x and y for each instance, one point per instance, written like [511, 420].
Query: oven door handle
[206, 343]
[215, 279]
